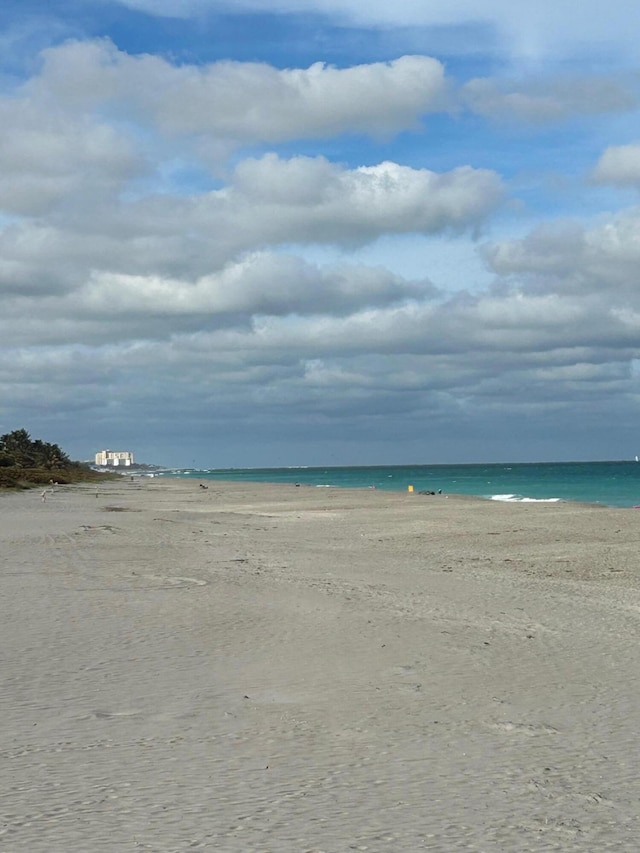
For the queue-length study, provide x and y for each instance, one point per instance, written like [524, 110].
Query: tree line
[19, 450]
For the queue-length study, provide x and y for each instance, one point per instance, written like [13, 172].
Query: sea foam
[521, 499]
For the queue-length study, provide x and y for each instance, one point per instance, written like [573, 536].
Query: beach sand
[271, 668]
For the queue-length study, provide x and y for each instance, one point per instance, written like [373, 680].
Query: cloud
[458, 365]
[619, 166]
[143, 295]
[430, 358]
[555, 99]
[269, 201]
[117, 307]
[47, 156]
[572, 259]
[531, 31]
[272, 309]
[316, 201]
[243, 102]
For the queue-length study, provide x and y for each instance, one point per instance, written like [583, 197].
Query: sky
[260, 233]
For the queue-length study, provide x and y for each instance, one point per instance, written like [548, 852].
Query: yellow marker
[409, 488]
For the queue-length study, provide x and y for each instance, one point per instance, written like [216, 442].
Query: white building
[114, 458]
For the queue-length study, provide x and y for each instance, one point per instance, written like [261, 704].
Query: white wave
[524, 500]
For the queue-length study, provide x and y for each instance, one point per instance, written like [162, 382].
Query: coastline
[259, 667]
[613, 483]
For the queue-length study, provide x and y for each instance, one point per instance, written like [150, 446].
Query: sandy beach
[269, 668]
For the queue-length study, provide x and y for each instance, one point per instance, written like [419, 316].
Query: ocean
[615, 484]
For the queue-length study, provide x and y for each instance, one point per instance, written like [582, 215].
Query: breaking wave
[524, 500]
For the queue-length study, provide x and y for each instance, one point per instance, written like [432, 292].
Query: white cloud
[46, 157]
[551, 99]
[619, 165]
[244, 102]
[258, 284]
[529, 31]
[269, 201]
[601, 260]
[154, 293]
[116, 306]
[312, 200]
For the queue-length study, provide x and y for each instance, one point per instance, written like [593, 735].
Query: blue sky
[320, 231]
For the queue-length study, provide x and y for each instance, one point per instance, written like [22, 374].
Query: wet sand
[270, 668]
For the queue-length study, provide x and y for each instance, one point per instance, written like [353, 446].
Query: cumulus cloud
[117, 307]
[125, 291]
[314, 200]
[244, 102]
[47, 156]
[573, 259]
[269, 201]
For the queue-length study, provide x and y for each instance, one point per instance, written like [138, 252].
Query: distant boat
[637, 460]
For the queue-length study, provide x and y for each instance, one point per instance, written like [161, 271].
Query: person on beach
[44, 495]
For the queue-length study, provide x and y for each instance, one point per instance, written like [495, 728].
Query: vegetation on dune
[18, 450]
[25, 462]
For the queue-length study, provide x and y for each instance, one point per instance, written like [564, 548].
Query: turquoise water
[609, 483]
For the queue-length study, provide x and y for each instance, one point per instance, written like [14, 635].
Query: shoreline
[258, 667]
[458, 496]
[611, 484]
